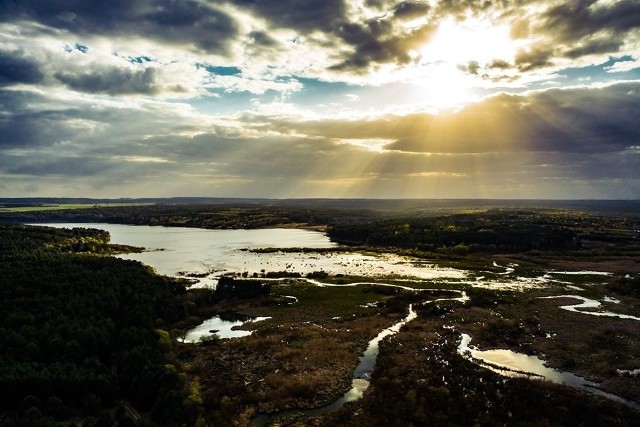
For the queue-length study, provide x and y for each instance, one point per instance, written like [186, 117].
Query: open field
[65, 206]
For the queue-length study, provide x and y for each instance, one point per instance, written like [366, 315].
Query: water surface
[512, 364]
[182, 252]
[221, 327]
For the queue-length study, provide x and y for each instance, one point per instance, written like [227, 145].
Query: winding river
[366, 365]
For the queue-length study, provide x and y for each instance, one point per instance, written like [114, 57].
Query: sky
[515, 99]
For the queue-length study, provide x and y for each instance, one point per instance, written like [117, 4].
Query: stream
[366, 365]
[359, 384]
[512, 364]
[590, 304]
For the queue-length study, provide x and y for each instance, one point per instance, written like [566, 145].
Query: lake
[184, 252]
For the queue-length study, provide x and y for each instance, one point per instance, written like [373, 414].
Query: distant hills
[629, 206]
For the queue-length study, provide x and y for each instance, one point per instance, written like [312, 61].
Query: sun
[470, 40]
[459, 58]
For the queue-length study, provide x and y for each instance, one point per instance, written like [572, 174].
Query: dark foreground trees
[81, 336]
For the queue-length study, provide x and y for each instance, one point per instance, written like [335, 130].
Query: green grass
[316, 302]
[66, 206]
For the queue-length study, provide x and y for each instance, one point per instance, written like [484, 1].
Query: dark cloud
[247, 158]
[185, 22]
[499, 64]
[375, 42]
[573, 29]
[537, 56]
[472, 67]
[378, 4]
[21, 127]
[262, 39]
[49, 165]
[411, 9]
[585, 27]
[112, 81]
[594, 46]
[303, 15]
[587, 120]
[572, 121]
[582, 18]
[15, 68]
[461, 8]
[34, 120]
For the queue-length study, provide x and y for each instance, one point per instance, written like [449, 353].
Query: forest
[492, 231]
[84, 337]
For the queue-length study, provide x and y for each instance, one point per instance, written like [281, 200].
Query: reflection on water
[223, 328]
[368, 358]
[175, 251]
[359, 384]
[511, 364]
[587, 305]
[204, 255]
[362, 373]
[582, 273]
[207, 254]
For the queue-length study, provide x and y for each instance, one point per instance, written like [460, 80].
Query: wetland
[299, 325]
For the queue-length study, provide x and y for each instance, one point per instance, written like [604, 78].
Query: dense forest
[494, 231]
[84, 337]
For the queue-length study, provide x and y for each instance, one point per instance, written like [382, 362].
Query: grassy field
[67, 206]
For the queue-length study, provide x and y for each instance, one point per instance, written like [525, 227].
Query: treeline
[460, 234]
[85, 337]
[214, 216]
[21, 239]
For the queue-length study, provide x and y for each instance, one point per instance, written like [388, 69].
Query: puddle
[222, 326]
